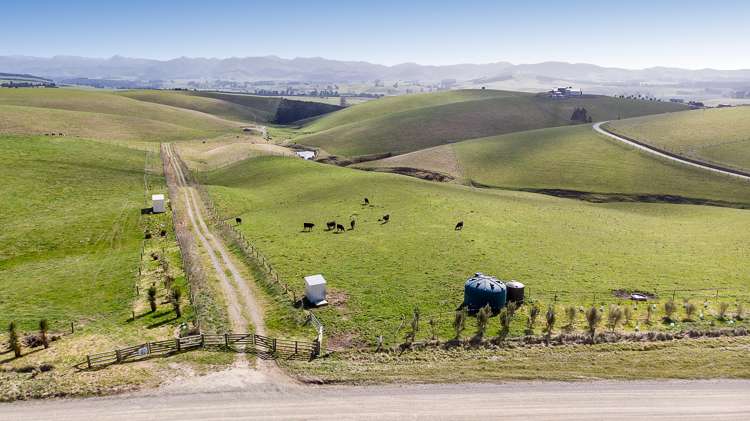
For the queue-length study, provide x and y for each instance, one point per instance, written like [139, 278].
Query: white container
[315, 290]
[157, 202]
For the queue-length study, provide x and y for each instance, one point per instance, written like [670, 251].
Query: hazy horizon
[360, 61]
[636, 35]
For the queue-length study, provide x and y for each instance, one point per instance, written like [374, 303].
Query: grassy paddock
[720, 136]
[71, 252]
[570, 158]
[380, 272]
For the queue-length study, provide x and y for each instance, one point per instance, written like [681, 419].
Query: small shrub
[505, 319]
[433, 328]
[669, 309]
[650, 309]
[593, 318]
[690, 309]
[627, 313]
[531, 321]
[43, 329]
[411, 335]
[483, 318]
[168, 282]
[550, 319]
[152, 298]
[175, 298]
[723, 308]
[511, 309]
[614, 317]
[13, 340]
[459, 322]
[740, 315]
[570, 316]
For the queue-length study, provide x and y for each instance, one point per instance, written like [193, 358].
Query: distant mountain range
[273, 68]
[249, 73]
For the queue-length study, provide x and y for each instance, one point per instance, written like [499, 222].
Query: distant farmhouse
[568, 92]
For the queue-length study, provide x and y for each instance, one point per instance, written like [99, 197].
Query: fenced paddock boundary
[249, 249]
[263, 346]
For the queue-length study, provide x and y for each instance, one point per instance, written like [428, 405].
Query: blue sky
[624, 33]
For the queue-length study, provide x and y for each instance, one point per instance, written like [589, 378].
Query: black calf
[238, 220]
[308, 226]
[459, 226]
[340, 228]
[330, 225]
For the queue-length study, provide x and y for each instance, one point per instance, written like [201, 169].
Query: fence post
[72, 328]
[226, 340]
[177, 341]
[295, 347]
[88, 360]
[118, 357]
[273, 344]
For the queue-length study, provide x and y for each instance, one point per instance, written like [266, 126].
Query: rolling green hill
[720, 136]
[261, 111]
[379, 272]
[567, 158]
[408, 123]
[236, 107]
[101, 115]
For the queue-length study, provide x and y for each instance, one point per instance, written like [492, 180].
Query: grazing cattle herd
[339, 228]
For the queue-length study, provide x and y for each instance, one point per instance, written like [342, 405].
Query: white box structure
[157, 202]
[315, 290]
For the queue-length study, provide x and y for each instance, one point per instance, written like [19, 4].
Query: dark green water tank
[481, 289]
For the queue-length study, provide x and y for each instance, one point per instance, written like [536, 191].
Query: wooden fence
[250, 343]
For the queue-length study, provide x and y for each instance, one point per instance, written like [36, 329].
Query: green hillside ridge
[720, 135]
[568, 158]
[412, 122]
[102, 115]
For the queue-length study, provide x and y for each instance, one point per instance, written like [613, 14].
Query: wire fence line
[195, 273]
[266, 347]
[249, 249]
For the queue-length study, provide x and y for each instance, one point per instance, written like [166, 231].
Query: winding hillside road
[663, 400]
[672, 157]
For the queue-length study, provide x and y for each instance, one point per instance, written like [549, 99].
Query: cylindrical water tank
[480, 290]
[515, 291]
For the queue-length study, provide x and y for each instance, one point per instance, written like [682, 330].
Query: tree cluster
[581, 115]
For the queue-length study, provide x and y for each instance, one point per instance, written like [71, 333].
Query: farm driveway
[244, 309]
[654, 151]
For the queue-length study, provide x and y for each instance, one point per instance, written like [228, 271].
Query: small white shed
[157, 202]
[315, 290]
[306, 155]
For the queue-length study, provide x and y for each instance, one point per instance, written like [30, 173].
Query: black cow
[330, 225]
[385, 218]
[308, 226]
[238, 220]
[367, 201]
[351, 224]
[340, 228]
[459, 226]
